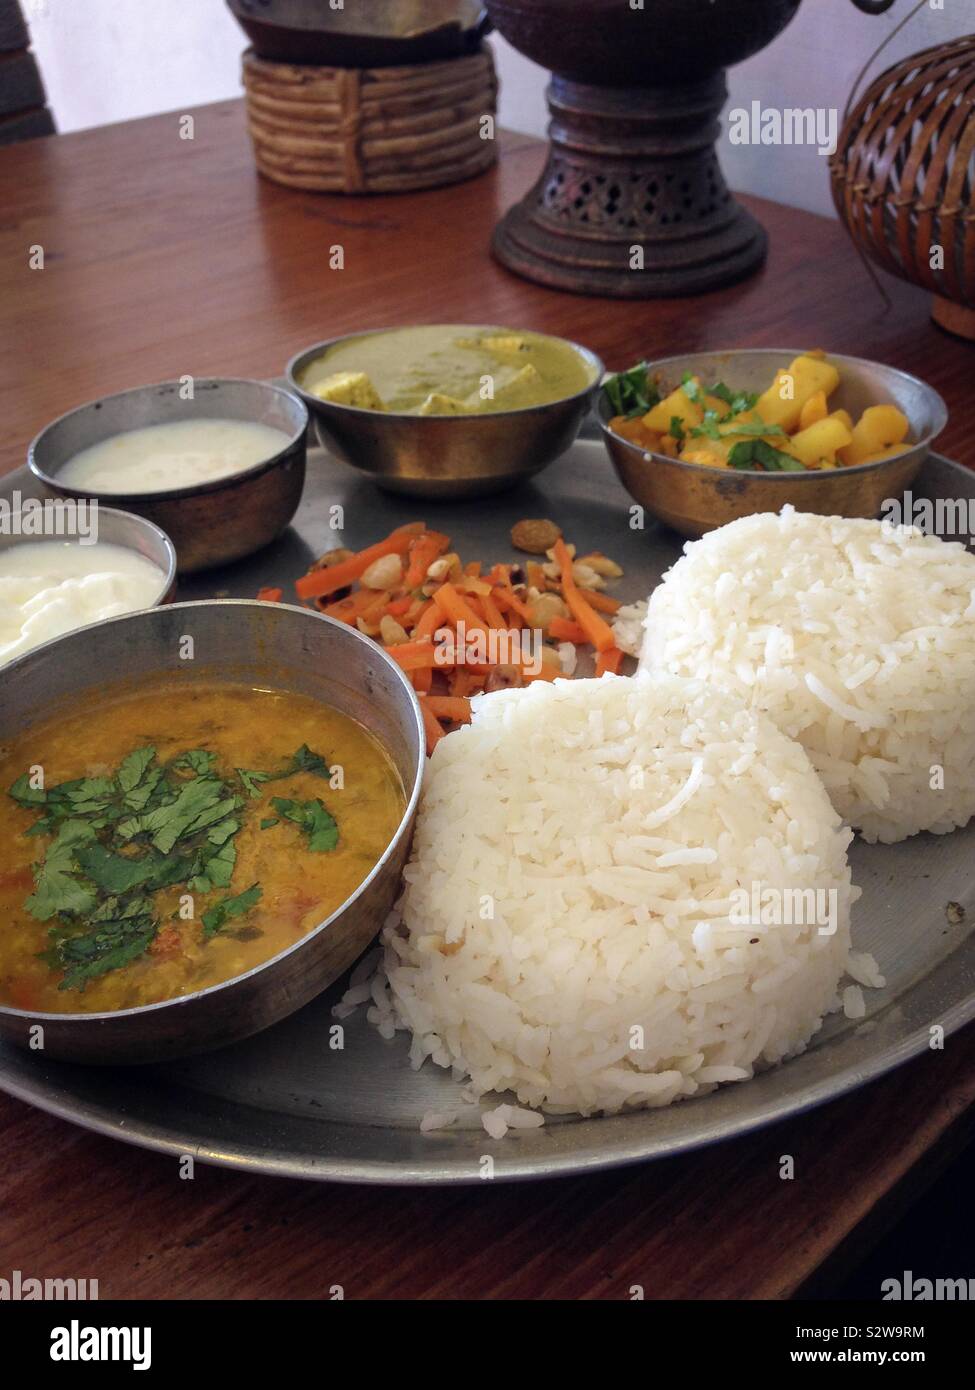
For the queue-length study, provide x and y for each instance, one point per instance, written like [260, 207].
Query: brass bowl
[694, 497]
[212, 523]
[446, 455]
[241, 641]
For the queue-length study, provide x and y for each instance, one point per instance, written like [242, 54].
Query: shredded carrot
[432, 727]
[492, 613]
[422, 679]
[424, 549]
[429, 620]
[414, 655]
[510, 602]
[609, 660]
[349, 608]
[602, 602]
[449, 707]
[325, 581]
[455, 607]
[599, 632]
[270, 595]
[399, 607]
[567, 631]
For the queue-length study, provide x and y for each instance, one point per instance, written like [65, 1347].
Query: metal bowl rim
[141, 523]
[412, 801]
[592, 359]
[810, 476]
[170, 494]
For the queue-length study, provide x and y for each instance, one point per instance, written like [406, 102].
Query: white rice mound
[565, 930]
[856, 637]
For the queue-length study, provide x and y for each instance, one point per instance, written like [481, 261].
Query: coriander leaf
[691, 388]
[737, 401]
[252, 780]
[708, 426]
[26, 795]
[216, 917]
[114, 873]
[56, 887]
[132, 769]
[631, 392]
[677, 428]
[750, 453]
[198, 760]
[302, 760]
[316, 822]
[118, 936]
[268, 821]
[752, 428]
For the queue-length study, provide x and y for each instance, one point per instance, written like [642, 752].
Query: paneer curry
[177, 836]
[448, 369]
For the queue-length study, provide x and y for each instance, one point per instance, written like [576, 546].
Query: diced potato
[349, 388]
[814, 409]
[819, 441]
[845, 416]
[438, 404]
[782, 403]
[669, 446]
[716, 404]
[701, 452]
[890, 452]
[678, 404]
[878, 428]
[636, 432]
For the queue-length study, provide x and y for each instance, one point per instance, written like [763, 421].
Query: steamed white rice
[568, 929]
[856, 637]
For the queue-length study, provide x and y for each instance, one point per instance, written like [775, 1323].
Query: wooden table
[165, 256]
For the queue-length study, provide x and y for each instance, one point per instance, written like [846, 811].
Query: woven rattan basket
[372, 130]
[903, 177]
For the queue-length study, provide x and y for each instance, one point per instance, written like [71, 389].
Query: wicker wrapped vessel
[903, 177]
[371, 130]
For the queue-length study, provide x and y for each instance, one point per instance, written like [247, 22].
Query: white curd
[182, 453]
[52, 587]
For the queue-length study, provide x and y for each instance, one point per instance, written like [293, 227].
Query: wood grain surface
[166, 256]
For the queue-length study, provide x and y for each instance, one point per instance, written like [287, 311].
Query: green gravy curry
[448, 369]
[173, 838]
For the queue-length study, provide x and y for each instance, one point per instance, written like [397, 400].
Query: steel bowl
[241, 641]
[446, 455]
[114, 527]
[212, 523]
[694, 497]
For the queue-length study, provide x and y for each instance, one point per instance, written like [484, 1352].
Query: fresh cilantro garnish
[216, 917]
[736, 401]
[692, 389]
[116, 841]
[317, 823]
[676, 430]
[631, 392]
[302, 760]
[751, 452]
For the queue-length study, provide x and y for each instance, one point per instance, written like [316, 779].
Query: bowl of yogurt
[216, 463]
[52, 583]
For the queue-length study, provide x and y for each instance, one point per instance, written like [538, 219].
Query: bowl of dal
[447, 410]
[197, 849]
[217, 463]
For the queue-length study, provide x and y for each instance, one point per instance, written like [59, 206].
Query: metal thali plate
[291, 1102]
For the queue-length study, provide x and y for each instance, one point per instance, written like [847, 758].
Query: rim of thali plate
[253, 1158]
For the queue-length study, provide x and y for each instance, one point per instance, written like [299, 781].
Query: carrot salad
[459, 629]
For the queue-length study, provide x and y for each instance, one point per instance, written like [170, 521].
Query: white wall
[110, 60]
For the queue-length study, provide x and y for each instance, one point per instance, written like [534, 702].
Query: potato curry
[178, 836]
